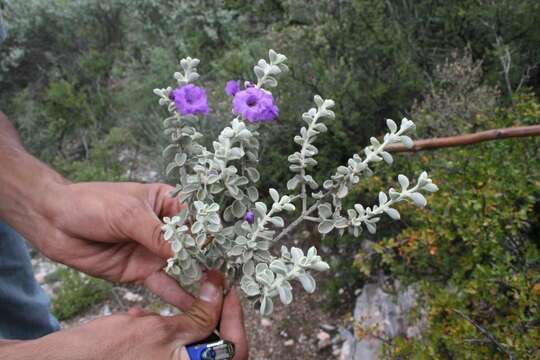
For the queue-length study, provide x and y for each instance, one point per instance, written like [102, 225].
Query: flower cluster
[224, 225]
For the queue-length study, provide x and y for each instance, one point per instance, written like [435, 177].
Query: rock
[129, 296]
[106, 310]
[302, 338]
[378, 314]
[289, 342]
[166, 311]
[284, 334]
[265, 322]
[324, 340]
[327, 327]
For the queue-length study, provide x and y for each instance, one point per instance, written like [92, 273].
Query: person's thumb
[202, 318]
[144, 227]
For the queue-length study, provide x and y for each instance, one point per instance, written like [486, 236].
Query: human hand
[140, 334]
[112, 231]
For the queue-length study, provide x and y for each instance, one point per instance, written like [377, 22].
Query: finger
[232, 324]
[201, 319]
[144, 227]
[161, 200]
[168, 290]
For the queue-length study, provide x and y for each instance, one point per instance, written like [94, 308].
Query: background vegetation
[76, 77]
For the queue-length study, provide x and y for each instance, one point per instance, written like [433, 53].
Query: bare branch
[486, 333]
[467, 139]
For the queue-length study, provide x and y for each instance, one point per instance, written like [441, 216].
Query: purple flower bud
[232, 87]
[255, 105]
[190, 99]
[249, 217]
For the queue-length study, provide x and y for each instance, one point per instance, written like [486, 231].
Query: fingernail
[209, 292]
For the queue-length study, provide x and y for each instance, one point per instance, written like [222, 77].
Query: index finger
[232, 325]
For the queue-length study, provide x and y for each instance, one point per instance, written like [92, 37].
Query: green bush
[475, 251]
[76, 293]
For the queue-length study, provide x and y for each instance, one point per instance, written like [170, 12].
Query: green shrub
[475, 251]
[76, 293]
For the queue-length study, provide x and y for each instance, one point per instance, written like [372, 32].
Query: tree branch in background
[486, 333]
[467, 139]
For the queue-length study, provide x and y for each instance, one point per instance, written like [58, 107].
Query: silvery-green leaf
[285, 294]
[274, 195]
[238, 209]
[261, 267]
[270, 81]
[403, 182]
[407, 141]
[279, 267]
[431, 187]
[168, 234]
[326, 226]
[241, 240]
[382, 198]
[266, 277]
[251, 289]
[176, 246]
[241, 181]
[312, 251]
[320, 266]
[296, 254]
[372, 228]
[277, 221]
[247, 255]
[308, 282]
[267, 306]
[248, 268]
[341, 223]
[170, 168]
[189, 241]
[387, 157]
[289, 207]
[342, 192]
[418, 199]
[213, 228]
[393, 213]
[216, 188]
[391, 125]
[285, 254]
[196, 227]
[228, 214]
[261, 208]
[175, 270]
[201, 194]
[325, 210]
[293, 183]
[253, 193]
[236, 250]
[263, 245]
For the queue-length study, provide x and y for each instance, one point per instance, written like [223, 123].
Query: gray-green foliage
[218, 187]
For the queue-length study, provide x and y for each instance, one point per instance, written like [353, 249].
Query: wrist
[28, 189]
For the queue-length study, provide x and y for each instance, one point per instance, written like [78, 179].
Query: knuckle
[202, 316]
[129, 213]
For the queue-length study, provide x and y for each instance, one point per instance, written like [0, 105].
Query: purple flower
[255, 105]
[249, 217]
[190, 99]
[232, 87]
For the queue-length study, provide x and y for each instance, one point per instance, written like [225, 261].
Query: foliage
[475, 254]
[76, 293]
[232, 231]
[457, 102]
